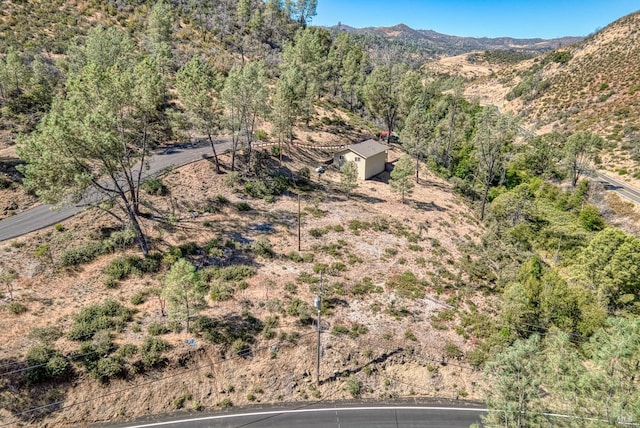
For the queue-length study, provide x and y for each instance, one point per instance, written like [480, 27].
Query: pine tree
[401, 175]
[182, 291]
[348, 177]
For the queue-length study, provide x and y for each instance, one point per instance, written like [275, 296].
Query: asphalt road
[340, 415]
[45, 215]
[618, 187]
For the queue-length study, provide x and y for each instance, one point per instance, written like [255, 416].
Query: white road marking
[278, 412]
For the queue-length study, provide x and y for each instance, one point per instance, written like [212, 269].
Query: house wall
[347, 156]
[367, 168]
[375, 165]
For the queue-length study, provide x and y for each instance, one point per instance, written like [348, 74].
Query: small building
[370, 156]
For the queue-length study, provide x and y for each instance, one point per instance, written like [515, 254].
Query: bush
[275, 151]
[82, 255]
[17, 308]
[410, 335]
[46, 363]
[45, 334]
[591, 219]
[221, 292]
[262, 247]
[110, 315]
[228, 273]
[157, 329]
[232, 178]
[151, 351]
[354, 386]
[154, 186]
[243, 206]
[451, 350]
[121, 267]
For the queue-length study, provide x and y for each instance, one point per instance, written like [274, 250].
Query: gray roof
[368, 148]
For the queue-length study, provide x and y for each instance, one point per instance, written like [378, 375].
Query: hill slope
[591, 85]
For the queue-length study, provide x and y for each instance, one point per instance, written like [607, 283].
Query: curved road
[45, 215]
[340, 415]
[622, 189]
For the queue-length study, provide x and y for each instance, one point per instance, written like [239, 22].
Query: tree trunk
[215, 154]
[485, 194]
[144, 245]
[417, 169]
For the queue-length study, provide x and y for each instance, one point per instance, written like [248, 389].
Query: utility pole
[317, 302]
[299, 235]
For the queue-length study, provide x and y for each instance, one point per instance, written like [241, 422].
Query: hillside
[479, 263]
[389, 271]
[590, 85]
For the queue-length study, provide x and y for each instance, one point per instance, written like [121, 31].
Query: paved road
[340, 415]
[44, 215]
[619, 187]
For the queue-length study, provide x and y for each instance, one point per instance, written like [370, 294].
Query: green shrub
[391, 251]
[42, 251]
[451, 350]
[276, 151]
[82, 255]
[295, 257]
[180, 401]
[154, 186]
[409, 335]
[45, 334]
[122, 267]
[408, 285]
[340, 329]
[591, 219]
[261, 135]
[358, 329]
[262, 247]
[107, 368]
[17, 308]
[221, 291]
[232, 178]
[110, 315]
[46, 364]
[157, 329]
[138, 298]
[354, 386]
[317, 232]
[228, 273]
[301, 309]
[364, 287]
[151, 351]
[243, 206]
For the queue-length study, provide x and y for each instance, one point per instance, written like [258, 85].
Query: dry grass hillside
[395, 303]
[591, 85]
[588, 85]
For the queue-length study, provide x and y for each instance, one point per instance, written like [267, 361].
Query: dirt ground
[397, 356]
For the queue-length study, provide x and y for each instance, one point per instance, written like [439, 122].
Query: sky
[479, 18]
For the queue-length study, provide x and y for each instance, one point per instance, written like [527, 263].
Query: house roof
[368, 148]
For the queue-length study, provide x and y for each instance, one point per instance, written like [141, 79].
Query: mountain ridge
[451, 44]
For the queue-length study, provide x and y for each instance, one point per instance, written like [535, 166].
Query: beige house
[370, 156]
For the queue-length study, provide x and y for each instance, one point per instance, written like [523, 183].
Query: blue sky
[480, 18]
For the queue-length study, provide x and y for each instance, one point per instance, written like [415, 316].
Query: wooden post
[299, 234]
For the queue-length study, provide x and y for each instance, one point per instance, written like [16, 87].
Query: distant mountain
[455, 45]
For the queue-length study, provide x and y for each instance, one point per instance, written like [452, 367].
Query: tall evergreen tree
[199, 87]
[401, 181]
[97, 135]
